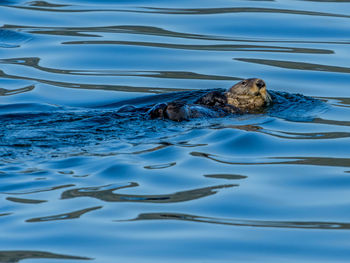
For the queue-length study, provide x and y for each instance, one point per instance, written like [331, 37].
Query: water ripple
[12, 39]
[296, 65]
[13, 256]
[248, 48]
[79, 154]
[33, 62]
[229, 10]
[7, 92]
[106, 193]
[174, 11]
[242, 222]
[297, 160]
[25, 200]
[65, 216]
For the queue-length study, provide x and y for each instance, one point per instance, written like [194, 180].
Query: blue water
[80, 182]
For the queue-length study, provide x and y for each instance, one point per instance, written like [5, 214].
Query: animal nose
[260, 83]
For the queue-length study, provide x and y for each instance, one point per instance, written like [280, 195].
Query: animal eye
[244, 82]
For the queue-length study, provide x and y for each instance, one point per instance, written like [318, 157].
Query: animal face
[249, 95]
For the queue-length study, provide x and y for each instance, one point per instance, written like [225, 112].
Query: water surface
[81, 183]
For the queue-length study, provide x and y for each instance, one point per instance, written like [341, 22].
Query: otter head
[249, 95]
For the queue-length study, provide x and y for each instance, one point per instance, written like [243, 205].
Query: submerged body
[247, 96]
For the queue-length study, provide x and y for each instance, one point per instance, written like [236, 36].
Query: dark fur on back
[213, 99]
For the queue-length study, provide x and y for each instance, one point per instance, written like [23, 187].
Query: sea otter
[247, 96]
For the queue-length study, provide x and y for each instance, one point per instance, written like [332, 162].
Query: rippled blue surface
[80, 183]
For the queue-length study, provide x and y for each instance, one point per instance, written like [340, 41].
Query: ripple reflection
[317, 161]
[241, 222]
[296, 65]
[105, 193]
[13, 256]
[65, 216]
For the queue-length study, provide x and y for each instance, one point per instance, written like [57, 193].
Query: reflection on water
[237, 222]
[6, 92]
[82, 165]
[25, 201]
[17, 256]
[107, 195]
[319, 161]
[72, 215]
[205, 11]
[298, 65]
[249, 48]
